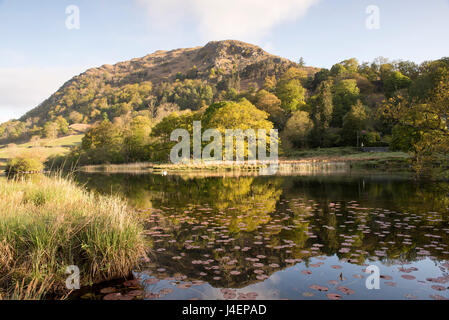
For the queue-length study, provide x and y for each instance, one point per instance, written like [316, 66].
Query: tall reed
[49, 223]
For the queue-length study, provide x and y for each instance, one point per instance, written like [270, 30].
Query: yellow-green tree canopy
[237, 115]
[298, 129]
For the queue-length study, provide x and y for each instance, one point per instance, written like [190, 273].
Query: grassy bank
[42, 149]
[393, 161]
[49, 224]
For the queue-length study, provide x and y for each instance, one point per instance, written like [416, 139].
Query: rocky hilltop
[185, 78]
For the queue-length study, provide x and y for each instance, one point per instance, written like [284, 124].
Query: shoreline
[335, 164]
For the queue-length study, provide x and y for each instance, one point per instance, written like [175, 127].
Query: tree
[319, 77]
[353, 123]
[104, 143]
[161, 144]
[394, 81]
[322, 109]
[238, 115]
[63, 125]
[291, 93]
[337, 70]
[51, 130]
[75, 117]
[346, 94]
[350, 65]
[271, 104]
[298, 128]
[408, 69]
[241, 115]
[293, 73]
[137, 139]
[270, 83]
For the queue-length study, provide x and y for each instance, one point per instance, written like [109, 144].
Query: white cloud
[22, 89]
[225, 19]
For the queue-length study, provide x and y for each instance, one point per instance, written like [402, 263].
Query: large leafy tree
[271, 104]
[238, 115]
[137, 139]
[298, 129]
[241, 115]
[292, 94]
[354, 122]
[422, 128]
[395, 81]
[290, 91]
[103, 143]
[322, 109]
[346, 94]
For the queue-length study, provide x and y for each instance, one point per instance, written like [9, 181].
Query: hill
[182, 78]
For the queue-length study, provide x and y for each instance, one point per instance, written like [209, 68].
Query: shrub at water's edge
[48, 225]
[24, 165]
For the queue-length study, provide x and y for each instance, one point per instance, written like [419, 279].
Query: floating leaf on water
[151, 281]
[391, 284]
[319, 288]
[165, 291]
[112, 296]
[438, 297]
[333, 296]
[407, 270]
[135, 293]
[336, 267]
[308, 294]
[306, 272]
[108, 290]
[438, 280]
[132, 283]
[438, 288]
[345, 290]
[184, 285]
[151, 295]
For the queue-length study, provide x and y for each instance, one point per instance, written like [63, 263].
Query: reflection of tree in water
[421, 209]
[283, 219]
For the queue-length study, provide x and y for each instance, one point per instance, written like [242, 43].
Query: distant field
[41, 149]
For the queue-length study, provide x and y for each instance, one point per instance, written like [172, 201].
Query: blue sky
[38, 53]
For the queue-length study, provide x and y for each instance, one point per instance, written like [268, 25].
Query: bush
[24, 165]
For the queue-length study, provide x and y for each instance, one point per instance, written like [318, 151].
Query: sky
[45, 43]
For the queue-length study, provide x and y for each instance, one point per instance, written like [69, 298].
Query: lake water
[289, 237]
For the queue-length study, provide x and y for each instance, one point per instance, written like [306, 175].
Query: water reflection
[289, 237]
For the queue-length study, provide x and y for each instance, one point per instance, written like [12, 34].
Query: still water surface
[290, 237]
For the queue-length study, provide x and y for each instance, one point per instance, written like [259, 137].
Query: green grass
[47, 224]
[41, 150]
